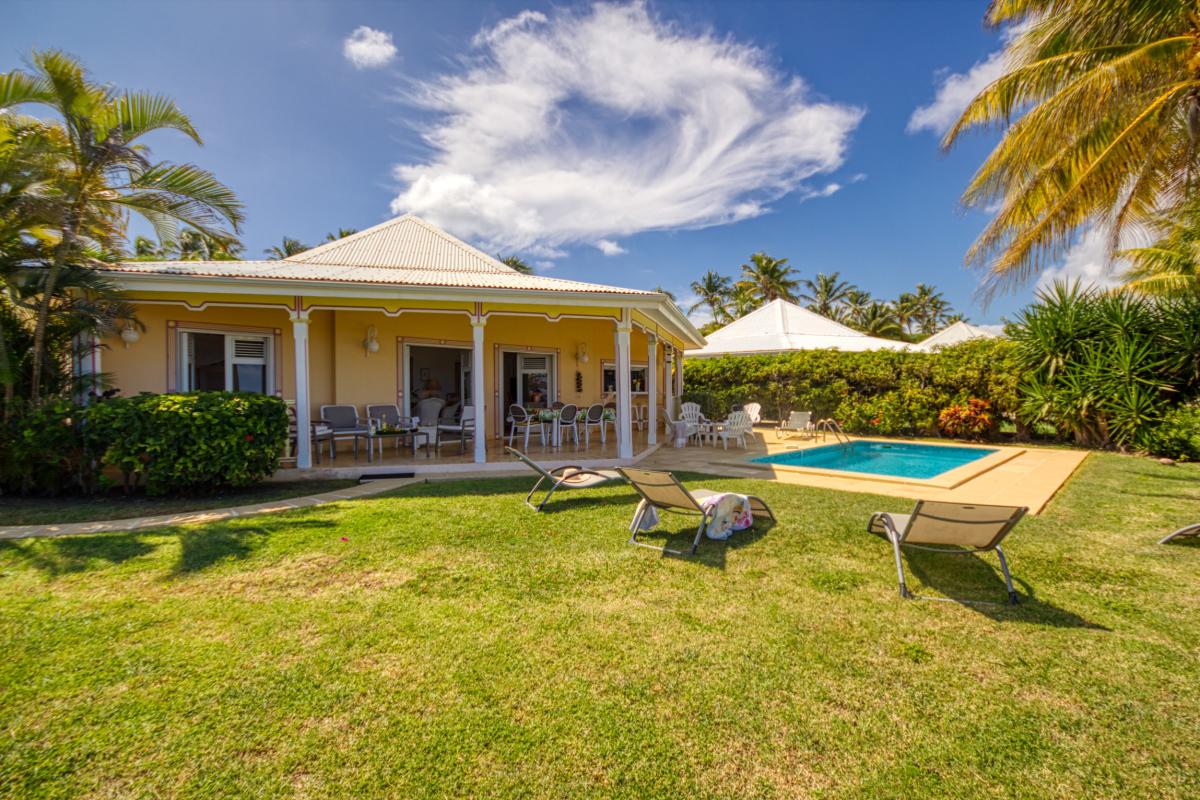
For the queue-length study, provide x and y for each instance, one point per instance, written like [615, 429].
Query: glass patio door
[534, 380]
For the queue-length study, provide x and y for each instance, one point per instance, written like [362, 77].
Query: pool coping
[950, 479]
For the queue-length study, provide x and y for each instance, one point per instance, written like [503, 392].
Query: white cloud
[602, 122]
[609, 247]
[1086, 262]
[956, 91]
[367, 48]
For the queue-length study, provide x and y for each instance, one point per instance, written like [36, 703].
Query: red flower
[876, 421]
[249, 437]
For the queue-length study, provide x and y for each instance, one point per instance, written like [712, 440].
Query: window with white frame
[233, 362]
[637, 378]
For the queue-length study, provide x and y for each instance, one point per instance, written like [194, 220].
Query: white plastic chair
[735, 427]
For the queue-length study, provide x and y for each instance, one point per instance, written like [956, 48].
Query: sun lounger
[562, 477]
[953, 528]
[799, 423]
[662, 490]
[1186, 530]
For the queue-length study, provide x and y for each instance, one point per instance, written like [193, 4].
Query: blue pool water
[897, 459]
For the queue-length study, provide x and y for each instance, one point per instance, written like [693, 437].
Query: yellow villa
[393, 314]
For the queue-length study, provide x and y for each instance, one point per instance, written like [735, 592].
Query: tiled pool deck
[1018, 476]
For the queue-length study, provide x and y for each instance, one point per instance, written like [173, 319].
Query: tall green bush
[191, 442]
[43, 449]
[1105, 367]
[881, 392]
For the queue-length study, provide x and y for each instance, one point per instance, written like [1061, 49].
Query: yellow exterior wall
[340, 370]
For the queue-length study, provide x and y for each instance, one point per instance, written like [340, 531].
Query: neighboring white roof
[402, 251]
[780, 326]
[953, 334]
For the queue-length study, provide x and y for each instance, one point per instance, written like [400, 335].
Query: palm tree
[1100, 109]
[711, 290]
[103, 173]
[930, 307]
[341, 233]
[743, 299]
[1170, 266]
[879, 319]
[853, 304]
[825, 293]
[288, 247]
[771, 278]
[517, 264]
[670, 295]
[146, 248]
[905, 310]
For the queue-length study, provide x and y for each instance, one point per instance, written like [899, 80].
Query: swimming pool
[895, 459]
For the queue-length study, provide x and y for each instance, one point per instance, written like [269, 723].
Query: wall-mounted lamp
[581, 353]
[130, 335]
[371, 343]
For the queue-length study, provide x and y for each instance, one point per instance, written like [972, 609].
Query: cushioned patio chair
[389, 414]
[1186, 530]
[951, 528]
[459, 431]
[663, 491]
[343, 419]
[562, 477]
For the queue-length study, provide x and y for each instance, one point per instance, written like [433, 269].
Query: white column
[478, 361]
[652, 388]
[303, 407]
[624, 393]
[679, 374]
[668, 384]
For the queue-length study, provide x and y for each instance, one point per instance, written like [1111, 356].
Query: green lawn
[457, 644]
[71, 508]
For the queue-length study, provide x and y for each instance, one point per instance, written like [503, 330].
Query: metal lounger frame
[897, 539]
[559, 476]
[756, 504]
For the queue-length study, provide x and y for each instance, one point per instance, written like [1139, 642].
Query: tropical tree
[879, 319]
[341, 233]
[102, 172]
[906, 310]
[929, 307]
[1100, 108]
[712, 290]
[854, 304]
[517, 264]
[288, 247]
[771, 278]
[670, 295]
[1170, 266]
[743, 298]
[825, 293]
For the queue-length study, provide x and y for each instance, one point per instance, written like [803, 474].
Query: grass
[74, 508]
[446, 641]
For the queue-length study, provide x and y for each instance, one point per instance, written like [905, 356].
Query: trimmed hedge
[881, 392]
[171, 443]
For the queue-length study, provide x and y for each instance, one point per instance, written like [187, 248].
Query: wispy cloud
[593, 124]
[954, 93]
[367, 48]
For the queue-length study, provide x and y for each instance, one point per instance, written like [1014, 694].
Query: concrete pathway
[208, 515]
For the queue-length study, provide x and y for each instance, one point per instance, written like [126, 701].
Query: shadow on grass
[711, 552]
[62, 556]
[969, 580]
[202, 547]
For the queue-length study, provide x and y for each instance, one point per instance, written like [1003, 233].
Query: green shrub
[42, 449]
[903, 390]
[191, 442]
[1177, 435]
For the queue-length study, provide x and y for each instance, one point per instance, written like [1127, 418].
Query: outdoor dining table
[554, 418]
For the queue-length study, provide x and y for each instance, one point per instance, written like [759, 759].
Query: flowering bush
[970, 420]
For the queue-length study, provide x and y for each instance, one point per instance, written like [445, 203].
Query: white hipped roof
[780, 327]
[954, 334]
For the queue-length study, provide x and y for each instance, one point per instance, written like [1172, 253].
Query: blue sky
[637, 145]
